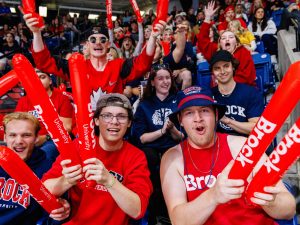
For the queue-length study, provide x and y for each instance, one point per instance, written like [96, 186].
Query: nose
[197, 116]
[114, 120]
[18, 139]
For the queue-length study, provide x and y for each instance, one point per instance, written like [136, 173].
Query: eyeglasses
[107, 118]
[93, 39]
[157, 67]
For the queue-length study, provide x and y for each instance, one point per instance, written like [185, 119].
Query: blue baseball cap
[196, 96]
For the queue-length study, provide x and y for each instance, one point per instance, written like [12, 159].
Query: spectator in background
[179, 18]
[191, 17]
[246, 38]
[18, 206]
[134, 30]
[153, 132]
[126, 17]
[244, 103]
[229, 16]
[57, 28]
[255, 5]
[181, 58]
[3, 63]
[10, 47]
[62, 105]
[239, 13]
[228, 41]
[264, 30]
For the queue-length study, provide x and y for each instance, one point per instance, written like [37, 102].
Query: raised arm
[180, 42]
[139, 45]
[31, 22]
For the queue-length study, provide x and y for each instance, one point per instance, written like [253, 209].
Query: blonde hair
[238, 27]
[22, 116]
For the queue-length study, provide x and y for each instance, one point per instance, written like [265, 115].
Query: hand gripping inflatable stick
[83, 108]
[8, 81]
[282, 103]
[47, 113]
[286, 152]
[29, 7]
[18, 170]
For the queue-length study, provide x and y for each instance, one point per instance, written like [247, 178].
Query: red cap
[228, 8]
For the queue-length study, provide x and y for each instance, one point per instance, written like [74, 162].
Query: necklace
[213, 162]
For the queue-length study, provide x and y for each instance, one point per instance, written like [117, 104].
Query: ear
[179, 119]
[129, 124]
[96, 120]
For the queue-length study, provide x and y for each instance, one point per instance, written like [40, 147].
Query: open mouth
[200, 129]
[19, 149]
[113, 131]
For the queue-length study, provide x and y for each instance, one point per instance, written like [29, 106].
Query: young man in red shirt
[104, 76]
[120, 170]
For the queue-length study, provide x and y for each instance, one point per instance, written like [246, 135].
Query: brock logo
[10, 190]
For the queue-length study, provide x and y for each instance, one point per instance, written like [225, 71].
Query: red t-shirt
[61, 103]
[96, 206]
[201, 170]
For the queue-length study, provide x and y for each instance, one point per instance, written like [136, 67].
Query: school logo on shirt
[95, 97]
[159, 116]
[14, 194]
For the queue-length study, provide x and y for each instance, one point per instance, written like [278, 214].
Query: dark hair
[263, 23]
[150, 90]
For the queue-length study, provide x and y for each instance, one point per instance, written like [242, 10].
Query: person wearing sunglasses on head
[104, 76]
[120, 171]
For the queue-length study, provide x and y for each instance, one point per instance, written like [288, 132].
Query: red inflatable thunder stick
[282, 103]
[29, 7]
[83, 108]
[27, 180]
[136, 11]
[161, 11]
[8, 81]
[286, 152]
[109, 14]
[47, 113]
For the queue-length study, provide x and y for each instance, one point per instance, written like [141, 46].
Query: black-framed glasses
[93, 39]
[108, 117]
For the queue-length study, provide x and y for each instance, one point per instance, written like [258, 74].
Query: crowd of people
[164, 146]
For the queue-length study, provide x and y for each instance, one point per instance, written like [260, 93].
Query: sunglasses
[157, 67]
[93, 39]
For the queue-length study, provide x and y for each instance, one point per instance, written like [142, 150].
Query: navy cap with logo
[196, 96]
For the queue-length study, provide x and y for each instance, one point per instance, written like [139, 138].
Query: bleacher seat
[276, 16]
[260, 48]
[203, 74]
[264, 72]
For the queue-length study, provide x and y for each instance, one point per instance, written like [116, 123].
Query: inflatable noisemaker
[8, 81]
[161, 11]
[283, 156]
[282, 103]
[136, 11]
[109, 14]
[83, 107]
[29, 7]
[42, 103]
[19, 170]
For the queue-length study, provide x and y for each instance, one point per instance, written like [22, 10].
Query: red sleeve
[222, 26]
[246, 72]
[139, 179]
[65, 108]
[206, 47]
[243, 24]
[141, 65]
[46, 63]
[55, 171]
